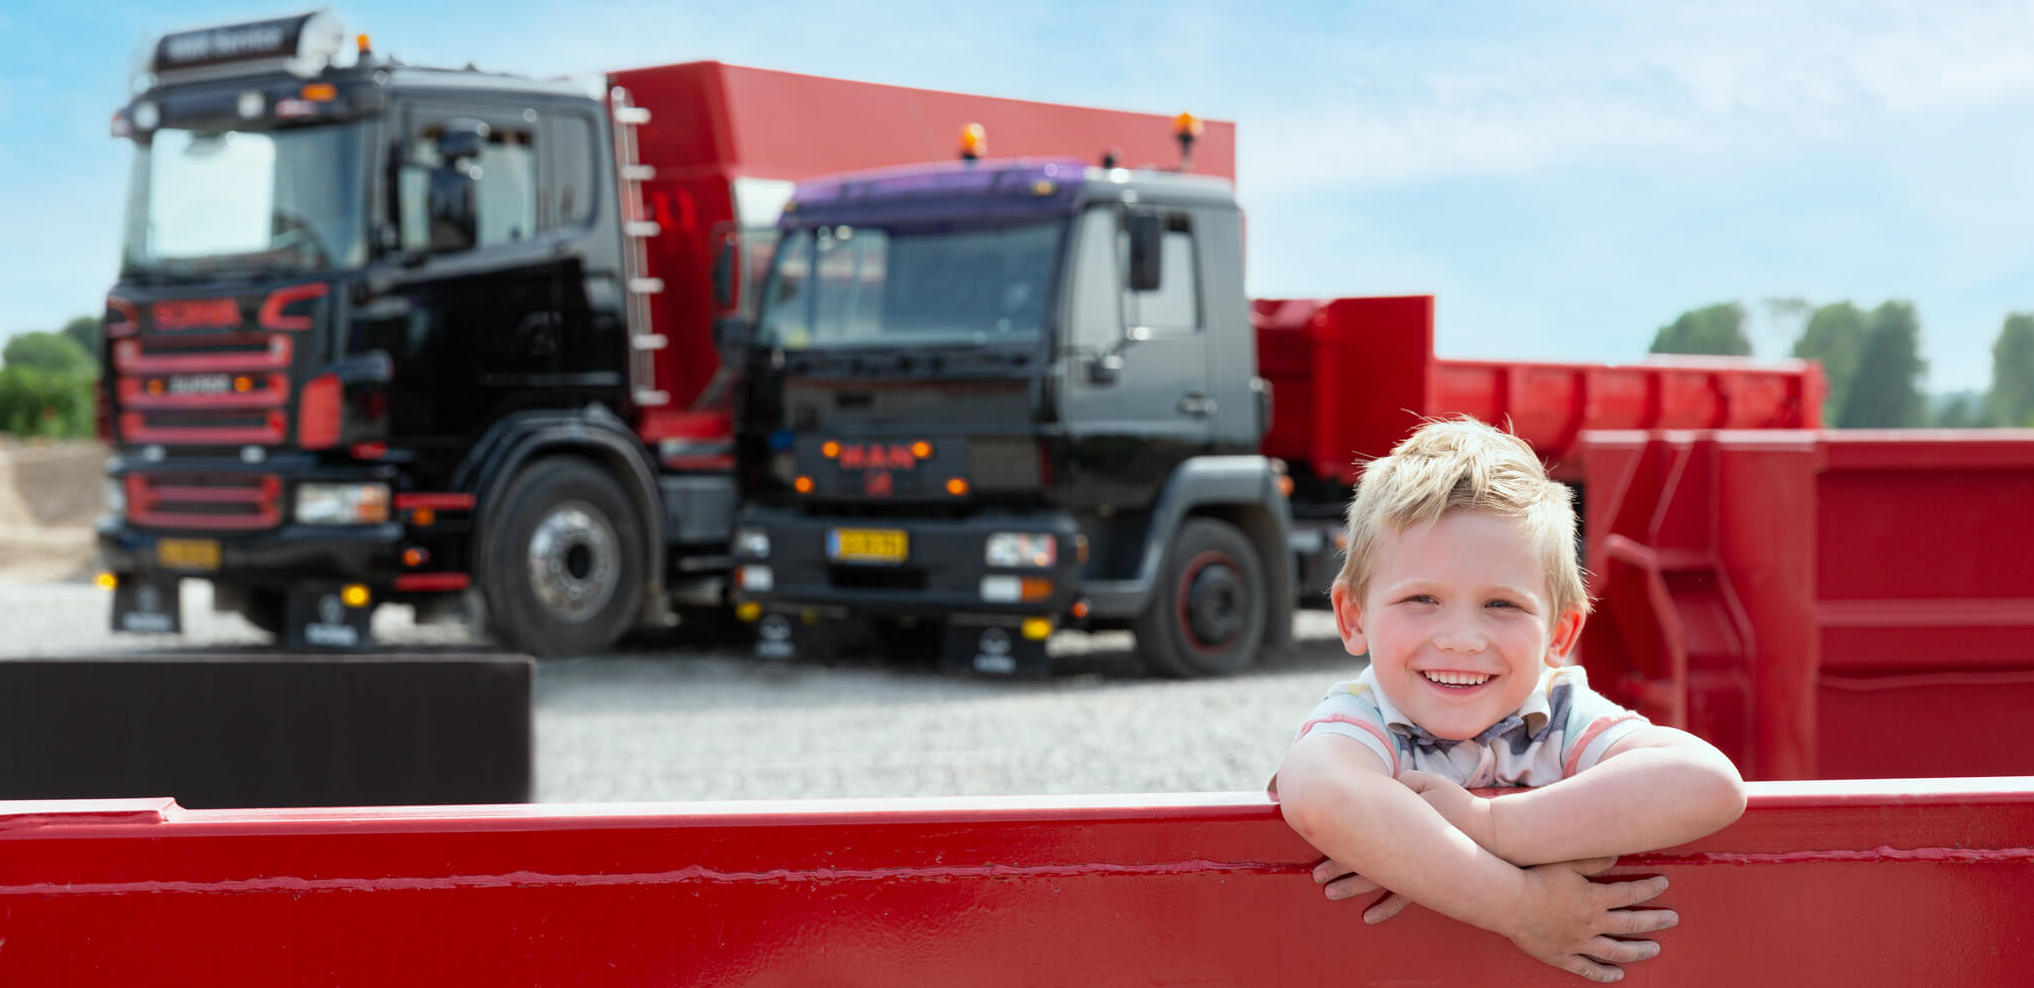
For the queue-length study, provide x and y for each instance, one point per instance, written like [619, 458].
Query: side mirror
[462, 139]
[450, 202]
[732, 332]
[1146, 256]
[724, 274]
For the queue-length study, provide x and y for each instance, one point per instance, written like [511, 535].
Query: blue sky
[1565, 177]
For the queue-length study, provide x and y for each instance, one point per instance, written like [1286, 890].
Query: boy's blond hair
[1460, 463]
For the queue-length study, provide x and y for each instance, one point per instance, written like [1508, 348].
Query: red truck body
[1821, 605]
[1820, 883]
[713, 125]
[1350, 377]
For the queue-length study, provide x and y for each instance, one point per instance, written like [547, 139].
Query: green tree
[35, 402]
[1835, 335]
[52, 353]
[1963, 410]
[2011, 401]
[1716, 329]
[1886, 392]
[84, 330]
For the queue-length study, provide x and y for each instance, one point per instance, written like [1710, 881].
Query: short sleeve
[1349, 710]
[1593, 723]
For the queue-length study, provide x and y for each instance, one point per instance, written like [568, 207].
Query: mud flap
[321, 619]
[148, 606]
[783, 635]
[994, 650]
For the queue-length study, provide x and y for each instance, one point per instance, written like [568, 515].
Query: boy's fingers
[1390, 906]
[1578, 964]
[1350, 886]
[1625, 922]
[1593, 866]
[1621, 951]
[1329, 870]
[1622, 894]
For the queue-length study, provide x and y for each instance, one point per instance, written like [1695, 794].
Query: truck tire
[1207, 612]
[563, 570]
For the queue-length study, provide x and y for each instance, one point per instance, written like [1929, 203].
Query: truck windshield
[863, 286]
[206, 203]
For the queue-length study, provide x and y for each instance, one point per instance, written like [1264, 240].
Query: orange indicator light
[802, 485]
[956, 486]
[922, 450]
[829, 449]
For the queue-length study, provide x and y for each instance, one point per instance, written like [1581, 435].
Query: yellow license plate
[867, 545]
[188, 553]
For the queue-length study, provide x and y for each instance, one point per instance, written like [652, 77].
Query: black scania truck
[372, 341]
[1009, 397]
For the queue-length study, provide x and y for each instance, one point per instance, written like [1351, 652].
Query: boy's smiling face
[1457, 620]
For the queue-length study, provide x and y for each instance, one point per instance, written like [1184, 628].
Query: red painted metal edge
[1827, 883]
[436, 501]
[432, 582]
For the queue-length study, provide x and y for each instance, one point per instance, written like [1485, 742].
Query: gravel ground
[664, 721]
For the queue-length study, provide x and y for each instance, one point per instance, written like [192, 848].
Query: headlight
[116, 498]
[755, 579]
[342, 504]
[752, 542]
[1022, 549]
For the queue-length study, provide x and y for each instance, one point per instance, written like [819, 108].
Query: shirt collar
[1533, 711]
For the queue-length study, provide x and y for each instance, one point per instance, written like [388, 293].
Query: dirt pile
[49, 495]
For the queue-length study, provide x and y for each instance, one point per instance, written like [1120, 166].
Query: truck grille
[220, 502]
[198, 372]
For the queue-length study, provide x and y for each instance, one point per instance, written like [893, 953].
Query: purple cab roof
[1019, 184]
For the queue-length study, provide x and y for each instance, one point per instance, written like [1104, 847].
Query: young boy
[1461, 584]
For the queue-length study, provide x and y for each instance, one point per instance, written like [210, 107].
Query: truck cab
[992, 399]
[339, 280]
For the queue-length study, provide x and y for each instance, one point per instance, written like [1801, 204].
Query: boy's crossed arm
[1656, 787]
[1339, 796]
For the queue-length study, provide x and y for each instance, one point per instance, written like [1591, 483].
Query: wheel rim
[573, 561]
[1213, 602]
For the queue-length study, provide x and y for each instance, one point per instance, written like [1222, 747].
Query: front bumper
[941, 576]
[278, 557]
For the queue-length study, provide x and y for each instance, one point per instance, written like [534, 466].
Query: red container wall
[1342, 372]
[711, 123]
[1801, 597]
[1819, 883]
[1351, 377]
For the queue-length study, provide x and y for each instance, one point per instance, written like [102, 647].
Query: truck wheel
[1206, 615]
[563, 572]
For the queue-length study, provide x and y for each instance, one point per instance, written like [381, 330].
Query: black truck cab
[991, 399]
[346, 292]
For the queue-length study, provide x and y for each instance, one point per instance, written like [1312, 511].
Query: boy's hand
[1464, 810]
[1570, 922]
[1342, 883]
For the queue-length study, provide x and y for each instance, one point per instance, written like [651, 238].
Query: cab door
[1135, 385]
[474, 327]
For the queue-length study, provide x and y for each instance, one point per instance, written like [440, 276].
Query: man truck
[1007, 397]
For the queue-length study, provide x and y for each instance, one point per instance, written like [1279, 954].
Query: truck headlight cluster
[1022, 549]
[116, 498]
[342, 504]
[752, 542]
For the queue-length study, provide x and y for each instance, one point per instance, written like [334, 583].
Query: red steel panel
[1795, 596]
[1351, 377]
[1821, 883]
